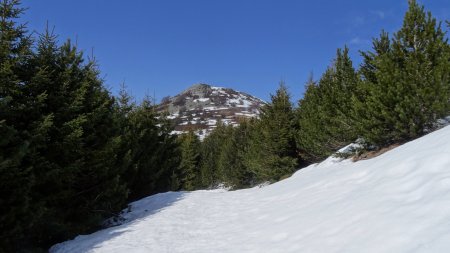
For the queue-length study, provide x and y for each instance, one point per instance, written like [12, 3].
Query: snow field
[397, 202]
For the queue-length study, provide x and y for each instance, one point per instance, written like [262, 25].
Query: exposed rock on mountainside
[201, 106]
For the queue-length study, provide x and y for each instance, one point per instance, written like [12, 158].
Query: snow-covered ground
[397, 202]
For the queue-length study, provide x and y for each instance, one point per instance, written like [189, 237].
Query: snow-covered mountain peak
[201, 106]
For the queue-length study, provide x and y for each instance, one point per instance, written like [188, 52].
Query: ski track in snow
[397, 202]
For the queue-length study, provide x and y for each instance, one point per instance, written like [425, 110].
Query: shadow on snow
[138, 210]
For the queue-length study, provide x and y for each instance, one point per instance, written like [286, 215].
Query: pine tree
[64, 143]
[124, 107]
[380, 46]
[272, 153]
[15, 172]
[222, 159]
[231, 160]
[169, 153]
[211, 148]
[310, 146]
[153, 151]
[407, 87]
[188, 170]
[368, 121]
[142, 144]
[325, 113]
[98, 186]
[77, 180]
[226, 159]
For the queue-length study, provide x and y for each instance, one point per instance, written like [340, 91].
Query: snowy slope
[397, 202]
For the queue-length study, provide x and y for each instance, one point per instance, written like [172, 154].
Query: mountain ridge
[201, 106]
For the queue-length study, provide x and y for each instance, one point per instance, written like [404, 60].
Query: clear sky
[162, 47]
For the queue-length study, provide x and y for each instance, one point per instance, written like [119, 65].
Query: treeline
[398, 93]
[72, 155]
[256, 151]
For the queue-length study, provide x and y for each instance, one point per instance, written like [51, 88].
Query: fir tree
[142, 143]
[15, 172]
[211, 148]
[64, 144]
[227, 165]
[169, 153]
[222, 160]
[77, 180]
[407, 87]
[153, 151]
[309, 119]
[272, 154]
[188, 170]
[325, 113]
[124, 108]
[231, 159]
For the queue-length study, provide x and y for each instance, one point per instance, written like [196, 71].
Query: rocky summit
[202, 106]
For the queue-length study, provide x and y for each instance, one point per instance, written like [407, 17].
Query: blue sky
[163, 46]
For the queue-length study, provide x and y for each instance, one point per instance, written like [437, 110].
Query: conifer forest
[73, 155]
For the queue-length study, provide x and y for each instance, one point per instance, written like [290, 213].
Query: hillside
[396, 202]
[201, 106]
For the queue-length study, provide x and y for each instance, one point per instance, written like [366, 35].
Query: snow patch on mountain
[201, 106]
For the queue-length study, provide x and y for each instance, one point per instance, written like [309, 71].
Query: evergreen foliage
[211, 148]
[187, 173]
[406, 81]
[152, 150]
[308, 119]
[324, 114]
[272, 154]
[71, 155]
[77, 180]
[222, 160]
[15, 172]
[236, 174]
